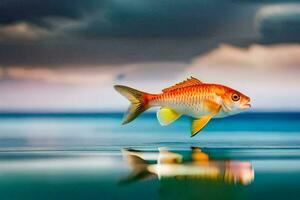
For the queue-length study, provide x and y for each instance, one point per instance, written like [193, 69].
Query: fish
[192, 97]
[198, 166]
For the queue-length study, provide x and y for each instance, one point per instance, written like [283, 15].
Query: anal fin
[198, 124]
[167, 115]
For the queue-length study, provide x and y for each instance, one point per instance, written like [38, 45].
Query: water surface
[82, 157]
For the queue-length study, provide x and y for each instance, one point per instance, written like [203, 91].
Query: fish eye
[235, 97]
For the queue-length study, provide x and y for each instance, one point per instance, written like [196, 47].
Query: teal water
[248, 156]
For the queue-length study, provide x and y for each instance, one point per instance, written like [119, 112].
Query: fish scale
[185, 100]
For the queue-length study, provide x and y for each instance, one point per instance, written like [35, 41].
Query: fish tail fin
[139, 102]
[138, 166]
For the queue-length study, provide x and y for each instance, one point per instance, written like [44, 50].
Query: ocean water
[91, 156]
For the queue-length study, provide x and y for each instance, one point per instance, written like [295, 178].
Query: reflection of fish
[192, 97]
[201, 167]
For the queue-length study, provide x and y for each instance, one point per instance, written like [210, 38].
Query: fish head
[234, 101]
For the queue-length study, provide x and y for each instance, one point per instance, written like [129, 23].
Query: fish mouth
[246, 106]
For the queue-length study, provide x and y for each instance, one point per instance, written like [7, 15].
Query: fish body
[193, 100]
[202, 101]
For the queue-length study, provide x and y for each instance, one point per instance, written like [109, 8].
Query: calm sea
[91, 156]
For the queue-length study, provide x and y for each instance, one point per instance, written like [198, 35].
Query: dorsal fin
[189, 82]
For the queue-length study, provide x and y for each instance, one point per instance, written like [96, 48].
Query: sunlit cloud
[22, 31]
[95, 75]
[60, 76]
[257, 56]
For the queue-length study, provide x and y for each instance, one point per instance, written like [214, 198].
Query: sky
[63, 55]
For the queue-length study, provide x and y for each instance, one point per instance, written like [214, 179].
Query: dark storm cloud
[118, 31]
[108, 51]
[279, 23]
[35, 11]
[121, 31]
[126, 18]
[135, 18]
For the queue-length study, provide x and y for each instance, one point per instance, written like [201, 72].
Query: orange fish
[192, 97]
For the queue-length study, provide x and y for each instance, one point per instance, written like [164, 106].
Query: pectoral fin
[198, 124]
[166, 116]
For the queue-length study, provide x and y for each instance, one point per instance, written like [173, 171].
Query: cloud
[35, 11]
[268, 74]
[90, 75]
[140, 19]
[256, 56]
[113, 52]
[56, 33]
[144, 19]
[279, 23]
[94, 75]
[132, 18]
[22, 32]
